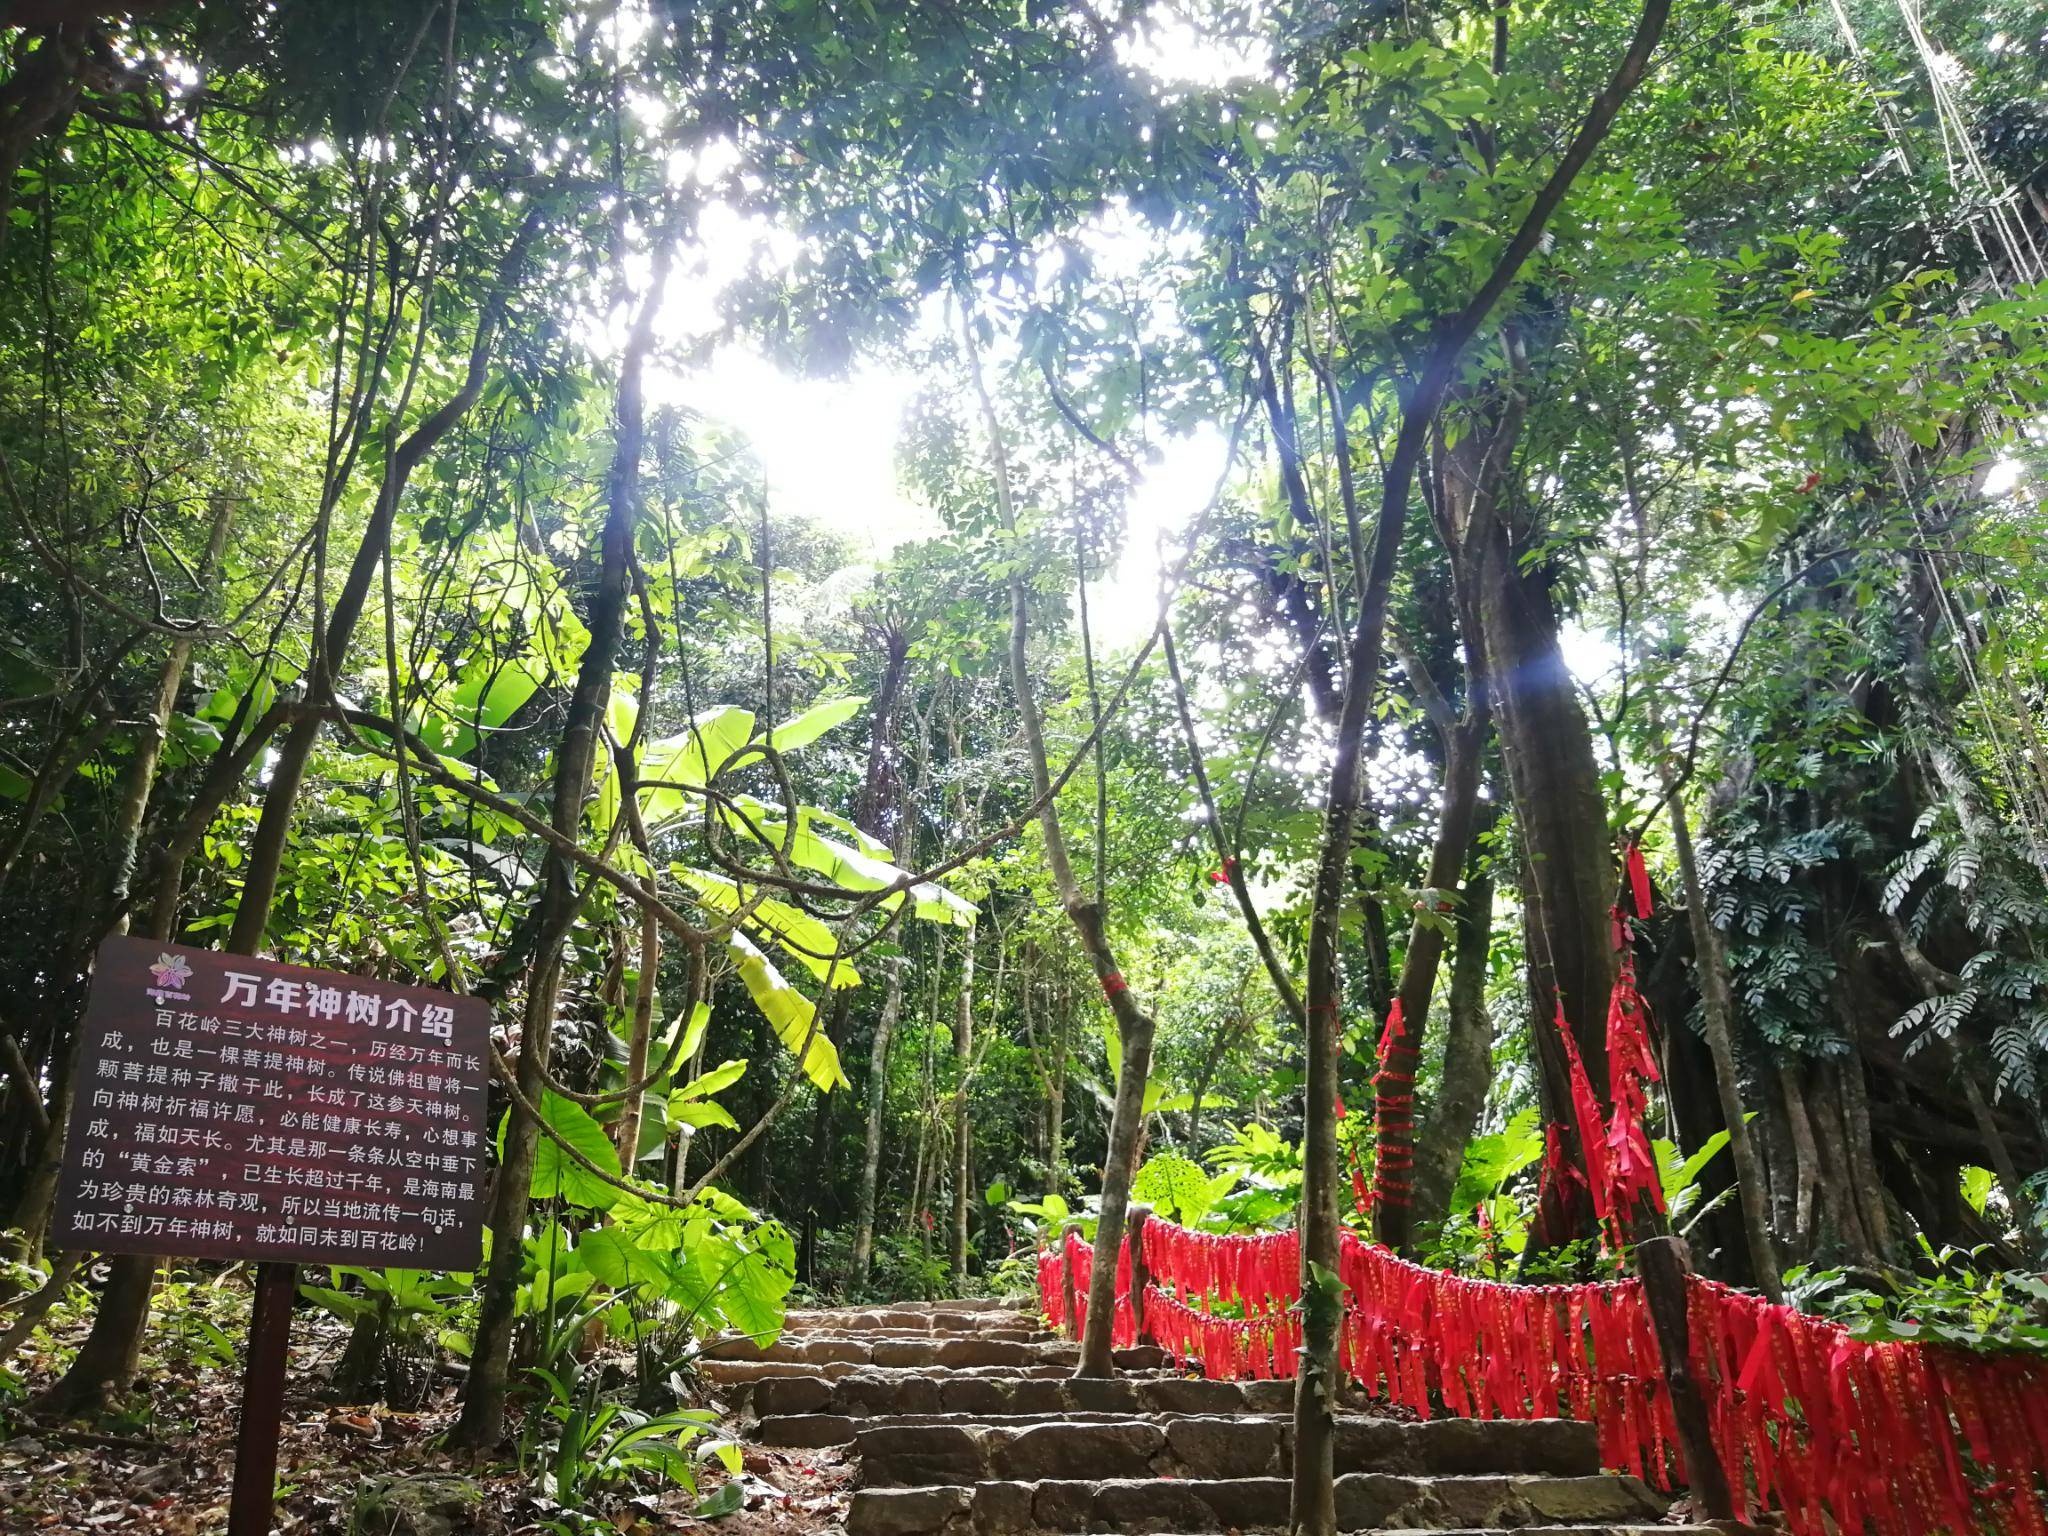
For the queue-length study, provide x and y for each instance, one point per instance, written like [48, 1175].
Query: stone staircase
[965, 1420]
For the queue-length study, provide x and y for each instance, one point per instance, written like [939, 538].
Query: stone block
[908, 1511]
[1225, 1447]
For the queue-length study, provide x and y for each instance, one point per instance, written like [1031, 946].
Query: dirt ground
[161, 1460]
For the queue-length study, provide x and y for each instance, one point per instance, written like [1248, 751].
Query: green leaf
[1977, 1186]
[810, 942]
[691, 757]
[857, 867]
[813, 723]
[485, 700]
[606, 1253]
[697, 1116]
[556, 1174]
[724, 1501]
[790, 1013]
[717, 1080]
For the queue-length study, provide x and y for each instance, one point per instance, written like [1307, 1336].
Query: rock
[1062, 1506]
[791, 1394]
[1097, 1395]
[1268, 1396]
[976, 1351]
[806, 1431]
[1154, 1504]
[1238, 1503]
[920, 1454]
[1038, 1396]
[1225, 1447]
[1001, 1509]
[1566, 1500]
[1368, 1500]
[979, 1394]
[907, 1511]
[1077, 1451]
[1176, 1395]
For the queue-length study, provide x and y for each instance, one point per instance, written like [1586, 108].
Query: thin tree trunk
[878, 1105]
[1806, 1156]
[1056, 1100]
[1135, 1027]
[963, 1151]
[627, 1132]
[1313, 1509]
[1393, 1205]
[482, 1423]
[1468, 1057]
[1718, 1013]
[871, 816]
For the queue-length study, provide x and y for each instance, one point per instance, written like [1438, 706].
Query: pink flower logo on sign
[170, 972]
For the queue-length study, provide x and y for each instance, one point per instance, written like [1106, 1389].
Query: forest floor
[161, 1461]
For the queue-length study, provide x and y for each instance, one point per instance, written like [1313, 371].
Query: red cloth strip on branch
[1394, 1112]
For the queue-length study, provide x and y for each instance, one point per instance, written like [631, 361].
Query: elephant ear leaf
[555, 1172]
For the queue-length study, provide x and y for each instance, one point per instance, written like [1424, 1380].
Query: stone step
[1366, 1501]
[740, 1373]
[812, 1431]
[1213, 1446]
[793, 1328]
[917, 1350]
[770, 1390]
[904, 1320]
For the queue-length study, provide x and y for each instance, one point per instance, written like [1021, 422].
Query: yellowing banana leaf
[854, 867]
[809, 941]
[789, 1011]
[813, 723]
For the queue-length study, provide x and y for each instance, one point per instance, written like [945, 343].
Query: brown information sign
[235, 1108]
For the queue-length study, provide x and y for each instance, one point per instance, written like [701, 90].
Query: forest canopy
[961, 615]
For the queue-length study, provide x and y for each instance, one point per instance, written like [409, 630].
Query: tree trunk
[963, 1151]
[878, 1104]
[1056, 1100]
[115, 1343]
[1567, 869]
[871, 814]
[1312, 1508]
[1135, 1028]
[627, 1132]
[1468, 1057]
[1393, 1169]
[1717, 1001]
[482, 1423]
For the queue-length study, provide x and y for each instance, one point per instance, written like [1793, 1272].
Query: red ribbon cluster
[1433, 1342]
[1052, 1296]
[1621, 1168]
[1899, 1439]
[1258, 1277]
[1893, 1437]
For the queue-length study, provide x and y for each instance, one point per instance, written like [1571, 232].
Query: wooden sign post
[236, 1108]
